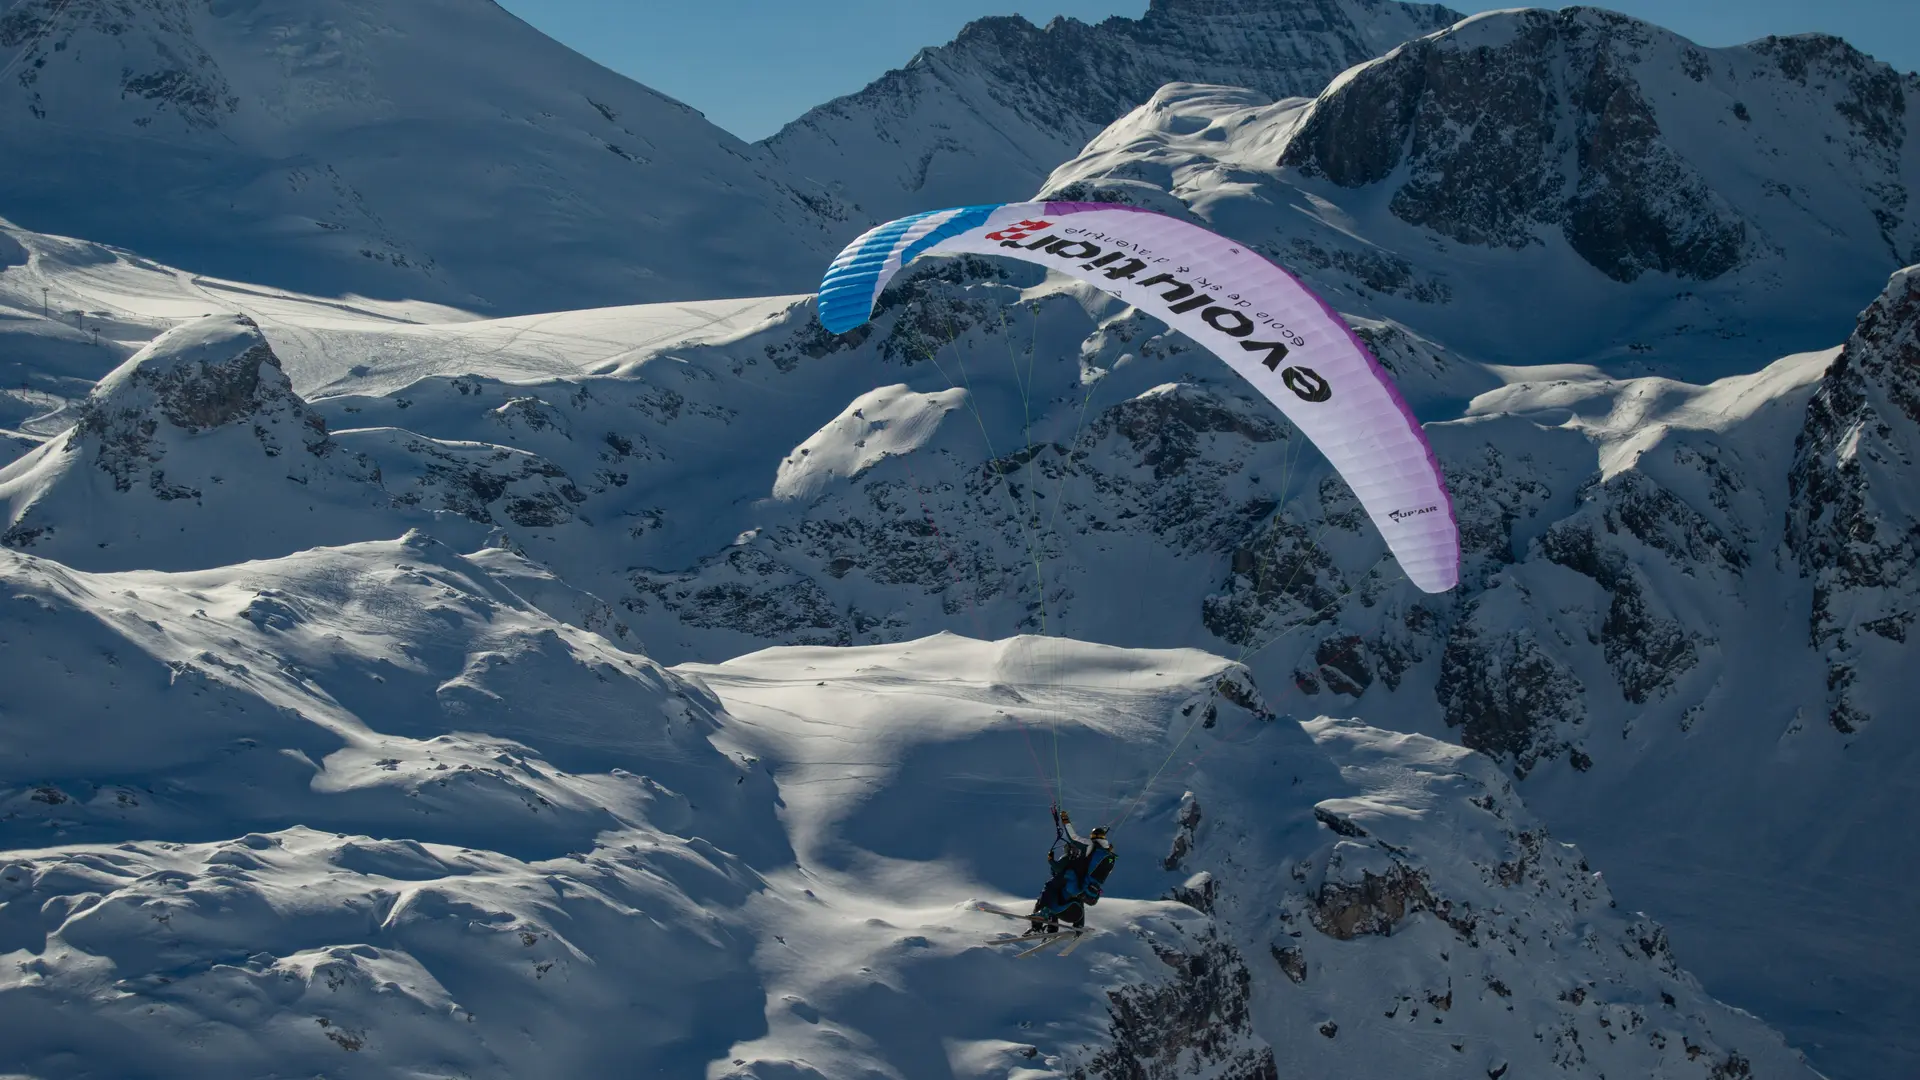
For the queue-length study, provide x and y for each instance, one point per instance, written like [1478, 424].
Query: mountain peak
[1854, 525]
[204, 374]
[204, 422]
[1613, 131]
[985, 117]
[335, 147]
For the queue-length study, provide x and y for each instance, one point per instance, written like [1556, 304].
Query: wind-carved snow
[533, 790]
[887, 422]
[583, 862]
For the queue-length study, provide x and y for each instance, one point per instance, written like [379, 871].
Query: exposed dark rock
[1507, 693]
[1167, 429]
[1339, 823]
[493, 485]
[1491, 496]
[1344, 665]
[1376, 270]
[1188, 818]
[1196, 1022]
[1646, 651]
[1293, 583]
[1293, 962]
[1197, 892]
[1850, 527]
[1550, 128]
[757, 595]
[1372, 905]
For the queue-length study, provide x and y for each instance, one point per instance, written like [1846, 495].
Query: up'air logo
[1019, 230]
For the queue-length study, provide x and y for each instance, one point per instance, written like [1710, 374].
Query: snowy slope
[1623, 531]
[1625, 534]
[1535, 187]
[1687, 511]
[72, 310]
[363, 811]
[424, 149]
[987, 116]
[199, 430]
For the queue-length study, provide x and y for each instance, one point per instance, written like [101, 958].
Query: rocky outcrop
[1370, 905]
[1504, 688]
[1518, 122]
[1419, 900]
[482, 482]
[202, 418]
[1197, 1022]
[217, 373]
[1646, 649]
[1541, 123]
[1852, 527]
[747, 591]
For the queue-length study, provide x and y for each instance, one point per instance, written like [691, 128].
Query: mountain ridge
[1679, 639]
[317, 148]
[1005, 101]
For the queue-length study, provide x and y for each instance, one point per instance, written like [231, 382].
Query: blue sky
[752, 65]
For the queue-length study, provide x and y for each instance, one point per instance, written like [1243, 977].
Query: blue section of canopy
[848, 291]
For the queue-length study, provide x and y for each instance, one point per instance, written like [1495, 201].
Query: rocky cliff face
[1853, 527]
[1578, 121]
[987, 116]
[1469, 891]
[1617, 194]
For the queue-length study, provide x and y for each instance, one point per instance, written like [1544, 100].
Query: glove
[1064, 819]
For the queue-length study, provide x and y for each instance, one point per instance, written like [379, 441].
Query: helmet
[1099, 832]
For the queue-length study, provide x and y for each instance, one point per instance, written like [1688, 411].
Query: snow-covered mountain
[364, 811]
[1685, 483]
[421, 149]
[985, 117]
[1610, 192]
[1636, 555]
[182, 435]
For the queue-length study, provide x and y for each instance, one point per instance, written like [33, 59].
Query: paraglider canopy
[1266, 325]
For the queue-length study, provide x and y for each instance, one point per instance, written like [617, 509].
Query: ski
[1050, 939]
[1078, 937]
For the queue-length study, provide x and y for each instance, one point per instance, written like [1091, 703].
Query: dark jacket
[1083, 868]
